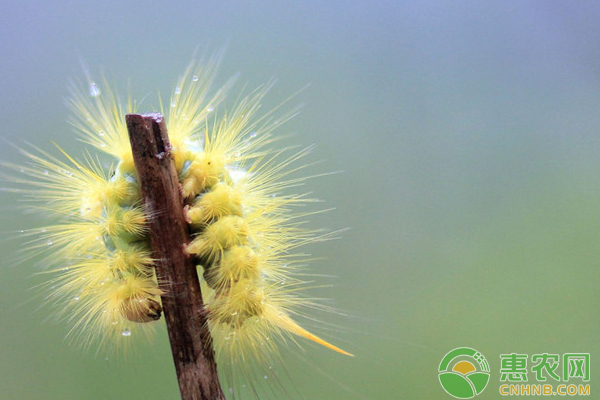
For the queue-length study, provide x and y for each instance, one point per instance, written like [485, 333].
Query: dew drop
[49, 242]
[195, 79]
[105, 358]
[94, 90]
[76, 298]
[177, 90]
[265, 376]
[126, 332]
[231, 390]
[210, 109]
[173, 105]
[101, 133]
[46, 172]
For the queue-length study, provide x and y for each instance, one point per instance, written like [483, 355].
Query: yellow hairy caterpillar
[244, 226]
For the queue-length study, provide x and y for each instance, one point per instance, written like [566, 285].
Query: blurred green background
[468, 138]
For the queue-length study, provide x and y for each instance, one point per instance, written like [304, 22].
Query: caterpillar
[244, 225]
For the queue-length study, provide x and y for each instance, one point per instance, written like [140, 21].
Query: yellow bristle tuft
[203, 172]
[219, 202]
[133, 259]
[224, 233]
[236, 304]
[133, 220]
[239, 263]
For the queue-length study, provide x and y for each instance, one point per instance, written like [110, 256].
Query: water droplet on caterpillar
[195, 79]
[177, 90]
[94, 90]
[126, 332]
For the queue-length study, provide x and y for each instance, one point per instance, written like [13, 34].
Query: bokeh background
[468, 139]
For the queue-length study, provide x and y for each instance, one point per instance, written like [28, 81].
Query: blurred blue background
[468, 138]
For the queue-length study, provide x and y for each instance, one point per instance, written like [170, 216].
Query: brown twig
[191, 342]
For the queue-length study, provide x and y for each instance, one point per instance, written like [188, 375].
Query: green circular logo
[464, 373]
